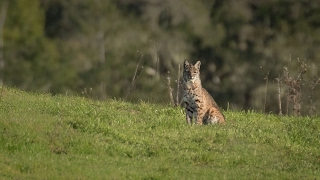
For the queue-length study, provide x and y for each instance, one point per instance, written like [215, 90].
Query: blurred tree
[33, 61]
[3, 14]
[96, 47]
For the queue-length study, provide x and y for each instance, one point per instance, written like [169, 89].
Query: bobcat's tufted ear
[197, 65]
[186, 64]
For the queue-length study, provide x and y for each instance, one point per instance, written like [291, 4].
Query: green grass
[61, 137]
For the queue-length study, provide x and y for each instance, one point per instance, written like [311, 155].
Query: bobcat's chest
[192, 97]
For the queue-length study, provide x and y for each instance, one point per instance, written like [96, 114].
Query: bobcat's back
[198, 102]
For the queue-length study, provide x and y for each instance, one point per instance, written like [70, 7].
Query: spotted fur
[198, 102]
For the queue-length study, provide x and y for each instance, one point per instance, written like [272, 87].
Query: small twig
[265, 97]
[181, 100]
[279, 94]
[316, 83]
[1, 94]
[157, 68]
[157, 49]
[169, 88]
[288, 102]
[312, 107]
[103, 88]
[294, 85]
[135, 72]
[178, 85]
[87, 93]
[135, 77]
[228, 106]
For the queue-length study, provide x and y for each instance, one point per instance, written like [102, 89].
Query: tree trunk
[3, 14]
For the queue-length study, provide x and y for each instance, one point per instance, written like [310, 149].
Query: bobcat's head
[191, 72]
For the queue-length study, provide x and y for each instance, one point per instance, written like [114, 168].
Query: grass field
[63, 137]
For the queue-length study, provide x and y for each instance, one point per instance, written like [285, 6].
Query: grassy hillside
[61, 137]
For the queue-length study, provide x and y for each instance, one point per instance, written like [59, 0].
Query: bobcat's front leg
[189, 118]
[189, 115]
[199, 117]
[200, 114]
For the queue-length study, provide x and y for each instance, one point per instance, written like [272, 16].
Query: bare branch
[178, 85]
[135, 77]
[279, 94]
[265, 98]
[169, 88]
[294, 84]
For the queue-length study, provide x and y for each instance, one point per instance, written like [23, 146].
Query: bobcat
[198, 102]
